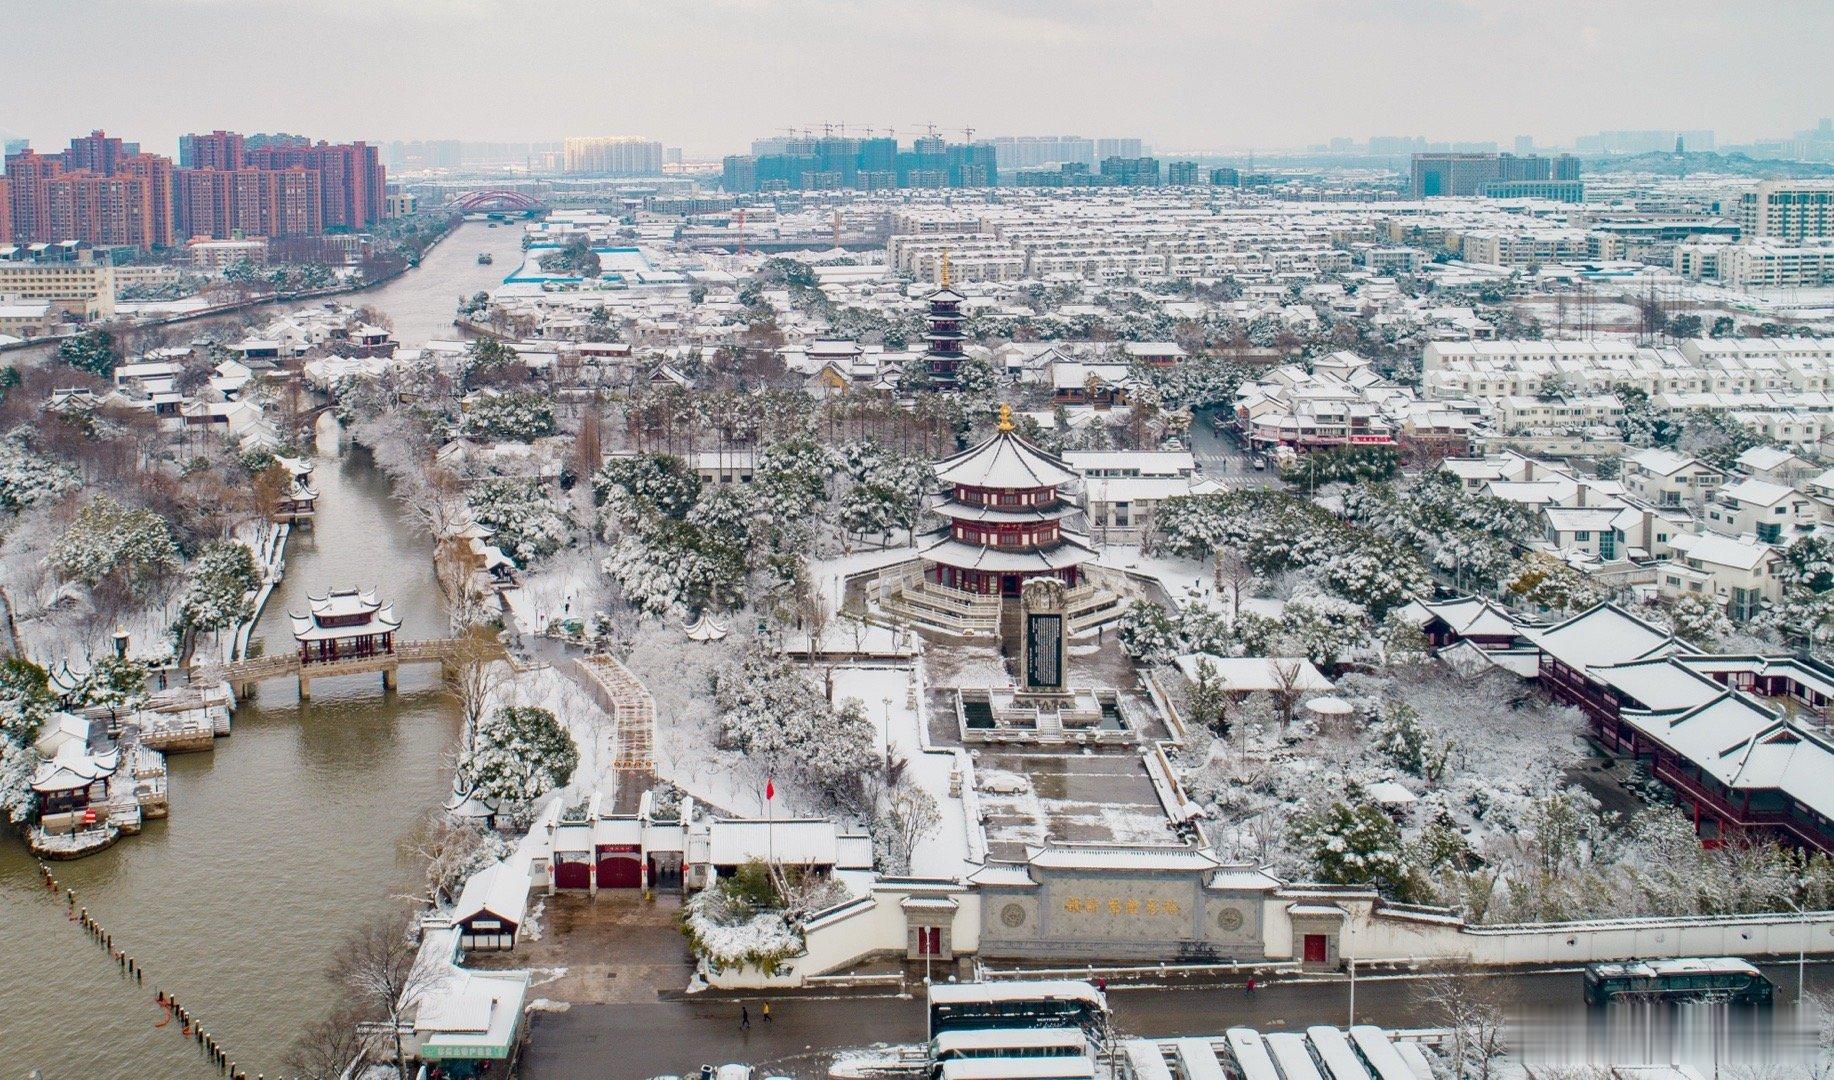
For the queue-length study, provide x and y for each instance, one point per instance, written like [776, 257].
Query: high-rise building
[1440, 174]
[352, 183]
[107, 211]
[1525, 145]
[28, 172]
[842, 163]
[1131, 172]
[1787, 210]
[6, 211]
[612, 155]
[1181, 174]
[96, 152]
[216, 150]
[14, 146]
[155, 173]
[1226, 177]
[227, 203]
[1121, 148]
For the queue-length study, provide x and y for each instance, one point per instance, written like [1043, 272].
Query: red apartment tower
[352, 182]
[6, 211]
[217, 150]
[100, 191]
[27, 173]
[222, 203]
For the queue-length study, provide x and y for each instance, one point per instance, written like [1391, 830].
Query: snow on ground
[831, 575]
[567, 585]
[592, 730]
[893, 699]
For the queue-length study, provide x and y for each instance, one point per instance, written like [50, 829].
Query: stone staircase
[928, 605]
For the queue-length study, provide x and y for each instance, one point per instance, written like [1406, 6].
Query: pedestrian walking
[1251, 984]
[764, 1010]
[744, 1018]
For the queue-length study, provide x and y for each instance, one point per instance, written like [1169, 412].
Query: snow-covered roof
[1604, 634]
[1723, 550]
[470, 1011]
[801, 842]
[1247, 674]
[1005, 461]
[1660, 685]
[74, 767]
[1072, 551]
[1468, 616]
[500, 889]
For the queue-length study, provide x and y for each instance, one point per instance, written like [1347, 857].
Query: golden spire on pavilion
[1006, 417]
[945, 268]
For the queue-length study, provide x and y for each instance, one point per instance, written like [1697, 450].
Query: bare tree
[449, 850]
[477, 672]
[1288, 688]
[1233, 575]
[1466, 1006]
[379, 971]
[326, 1050]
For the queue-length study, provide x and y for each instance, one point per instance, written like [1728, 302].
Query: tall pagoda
[943, 332]
[1005, 518]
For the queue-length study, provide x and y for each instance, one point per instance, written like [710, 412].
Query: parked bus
[1145, 1061]
[1378, 1054]
[1725, 978]
[1027, 1068]
[1248, 1056]
[1336, 1056]
[1020, 1004]
[1009, 1043]
[1198, 1060]
[1292, 1055]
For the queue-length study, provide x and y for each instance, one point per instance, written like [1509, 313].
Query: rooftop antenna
[968, 134]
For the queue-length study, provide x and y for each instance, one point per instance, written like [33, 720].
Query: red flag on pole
[770, 790]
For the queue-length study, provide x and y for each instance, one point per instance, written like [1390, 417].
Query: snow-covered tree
[1352, 841]
[111, 541]
[792, 477]
[907, 814]
[25, 699]
[525, 518]
[18, 761]
[1701, 619]
[26, 478]
[520, 416]
[1147, 633]
[217, 596]
[1325, 629]
[632, 488]
[1380, 575]
[519, 753]
[770, 710]
[1398, 735]
[115, 684]
[1552, 585]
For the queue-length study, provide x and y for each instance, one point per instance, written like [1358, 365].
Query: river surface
[285, 838]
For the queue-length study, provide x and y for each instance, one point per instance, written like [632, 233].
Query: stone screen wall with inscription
[1120, 916]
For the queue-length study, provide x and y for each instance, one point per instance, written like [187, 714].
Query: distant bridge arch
[495, 199]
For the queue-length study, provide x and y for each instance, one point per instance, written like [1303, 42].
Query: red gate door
[1315, 948]
[572, 875]
[620, 870]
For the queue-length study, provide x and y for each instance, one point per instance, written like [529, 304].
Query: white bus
[1293, 1055]
[1249, 1056]
[1198, 1060]
[1335, 1054]
[1009, 1043]
[1145, 1060]
[1028, 1068]
[1379, 1054]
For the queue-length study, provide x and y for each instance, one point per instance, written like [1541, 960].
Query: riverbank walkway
[243, 674]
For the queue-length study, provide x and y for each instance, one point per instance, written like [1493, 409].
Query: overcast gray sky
[711, 75]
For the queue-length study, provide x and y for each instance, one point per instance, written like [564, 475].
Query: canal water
[285, 838]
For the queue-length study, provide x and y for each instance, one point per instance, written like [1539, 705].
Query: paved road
[632, 1042]
[1221, 459]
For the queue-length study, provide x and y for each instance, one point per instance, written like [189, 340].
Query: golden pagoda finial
[945, 268]
[1006, 418]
